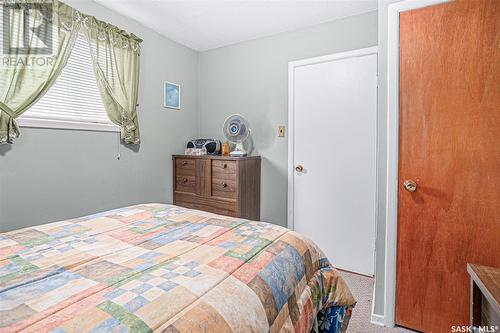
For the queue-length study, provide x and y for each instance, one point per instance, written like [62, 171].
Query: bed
[163, 268]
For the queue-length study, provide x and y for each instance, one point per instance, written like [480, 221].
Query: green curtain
[25, 73]
[116, 58]
[25, 79]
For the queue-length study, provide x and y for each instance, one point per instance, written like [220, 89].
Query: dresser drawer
[185, 167]
[224, 188]
[224, 170]
[185, 184]
[217, 206]
[209, 208]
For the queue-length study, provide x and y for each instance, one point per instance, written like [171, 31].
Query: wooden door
[450, 146]
[335, 124]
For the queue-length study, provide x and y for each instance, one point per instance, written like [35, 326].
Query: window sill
[66, 125]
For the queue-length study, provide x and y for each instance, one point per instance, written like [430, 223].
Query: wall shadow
[4, 149]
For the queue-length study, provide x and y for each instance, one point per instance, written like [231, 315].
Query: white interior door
[334, 111]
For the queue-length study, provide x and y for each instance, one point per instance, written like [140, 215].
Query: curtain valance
[32, 65]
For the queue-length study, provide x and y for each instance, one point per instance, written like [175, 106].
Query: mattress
[163, 268]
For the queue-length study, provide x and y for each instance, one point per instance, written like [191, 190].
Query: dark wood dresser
[485, 296]
[217, 184]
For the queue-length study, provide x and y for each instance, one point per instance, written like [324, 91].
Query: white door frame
[291, 112]
[391, 231]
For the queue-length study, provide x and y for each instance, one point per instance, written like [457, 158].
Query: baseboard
[378, 319]
[356, 273]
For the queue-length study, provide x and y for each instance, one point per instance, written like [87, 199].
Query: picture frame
[171, 95]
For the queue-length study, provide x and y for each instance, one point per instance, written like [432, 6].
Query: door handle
[299, 168]
[410, 185]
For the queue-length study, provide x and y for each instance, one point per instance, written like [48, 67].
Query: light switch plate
[281, 131]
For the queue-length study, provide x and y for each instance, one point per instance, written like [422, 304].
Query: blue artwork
[172, 96]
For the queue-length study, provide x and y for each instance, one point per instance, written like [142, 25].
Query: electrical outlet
[281, 131]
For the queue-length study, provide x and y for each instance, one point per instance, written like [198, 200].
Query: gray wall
[251, 78]
[49, 175]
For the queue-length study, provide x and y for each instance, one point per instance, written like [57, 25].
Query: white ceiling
[208, 24]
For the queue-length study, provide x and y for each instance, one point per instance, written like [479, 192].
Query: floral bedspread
[162, 268]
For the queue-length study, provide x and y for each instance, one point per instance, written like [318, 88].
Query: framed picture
[171, 95]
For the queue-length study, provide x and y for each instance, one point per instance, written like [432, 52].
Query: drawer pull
[225, 166]
[184, 180]
[224, 185]
[185, 163]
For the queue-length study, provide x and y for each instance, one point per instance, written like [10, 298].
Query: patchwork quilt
[162, 268]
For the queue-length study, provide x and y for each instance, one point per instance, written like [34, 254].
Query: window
[74, 101]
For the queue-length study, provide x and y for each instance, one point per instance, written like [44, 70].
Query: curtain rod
[104, 24]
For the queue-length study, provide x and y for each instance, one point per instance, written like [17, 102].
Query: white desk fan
[237, 130]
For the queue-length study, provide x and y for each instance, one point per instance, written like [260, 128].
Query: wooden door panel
[450, 145]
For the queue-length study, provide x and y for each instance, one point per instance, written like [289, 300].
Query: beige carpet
[362, 289]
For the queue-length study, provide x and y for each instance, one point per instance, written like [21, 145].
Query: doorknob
[299, 168]
[410, 185]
